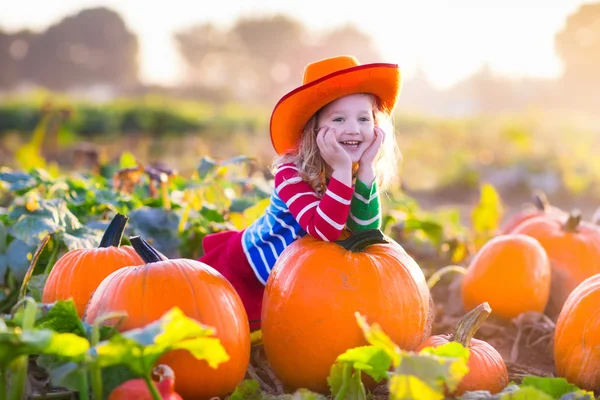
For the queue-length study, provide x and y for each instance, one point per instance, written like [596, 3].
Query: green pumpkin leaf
[526, 393]
[18, 256]
[207, 165]
[35, 286]
[439, 367]
[62, 317]
[302, 394]
[139, 349]
[81, 238]
[372, 360]
[555, 387]
[376, 337]
[17, 181]
[248, 389]
[15, 343]
[356, 389]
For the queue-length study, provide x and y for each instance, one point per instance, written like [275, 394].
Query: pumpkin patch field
[103, 297]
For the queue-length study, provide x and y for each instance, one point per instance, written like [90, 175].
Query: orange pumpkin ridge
[314, 290]
[487, 370]
[577, 336]
[148, 291]
[573, 247]
[78, 272]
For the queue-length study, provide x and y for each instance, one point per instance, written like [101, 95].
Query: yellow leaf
[31, 204]
[249, 215]
[407, 387]
[487, 215]
[238, 220]
[377, 337]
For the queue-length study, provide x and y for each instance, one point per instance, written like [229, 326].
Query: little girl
[336, 150]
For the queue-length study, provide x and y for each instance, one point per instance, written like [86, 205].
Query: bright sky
[449, 39]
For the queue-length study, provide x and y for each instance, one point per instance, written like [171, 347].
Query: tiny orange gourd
[573, 247]
[510, 272]
[487, 370]
[314, 290]
[148, 291]
[79, 272]
[577, 336]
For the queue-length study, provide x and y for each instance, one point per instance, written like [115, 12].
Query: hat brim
[295, 108]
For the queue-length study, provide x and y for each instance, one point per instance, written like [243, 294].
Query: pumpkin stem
[363, 239]
[470, 323]
[143, 248]
[573, 221]
[540, 201]
[114, 233]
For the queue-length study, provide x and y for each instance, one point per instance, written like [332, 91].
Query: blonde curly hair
[315, 171]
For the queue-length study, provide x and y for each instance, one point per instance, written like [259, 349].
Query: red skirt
[224, 252]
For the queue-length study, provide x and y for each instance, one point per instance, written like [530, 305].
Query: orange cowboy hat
[324, 81]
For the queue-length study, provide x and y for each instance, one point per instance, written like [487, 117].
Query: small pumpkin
[540, 206]
[577, 336]
[79, 272]
[314, 290]
[148, 291]
[487, 370]
[138, 389]
[510, 272]
[573, 247]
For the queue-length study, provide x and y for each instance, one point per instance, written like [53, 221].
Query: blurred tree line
[258, 59]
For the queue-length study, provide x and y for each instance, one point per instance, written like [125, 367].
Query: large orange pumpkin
[314, 290]
[577, 336]
[79, 272]
[540, 207]
[148, 291]
[510, 272]
[573, 248]
[487, 370]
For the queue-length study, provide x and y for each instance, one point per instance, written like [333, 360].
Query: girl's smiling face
[353, 120]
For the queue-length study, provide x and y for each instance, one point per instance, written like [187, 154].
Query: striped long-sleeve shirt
[296, 210]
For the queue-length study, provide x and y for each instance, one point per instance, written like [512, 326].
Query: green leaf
[3, 238]
[139, 349]
[375, 336]
[16, 343]
[335, 379]
[32, 228]
[17, 181]
[372, 360]
[62, 317]
[555, 387]
[36, 286]
[207, 165]
[62, 374]
[81, 238]
[356, 390]
[439, 367]
[18, 257]
[248, 389]
[303, 394]
[53, 216]
[526, 393]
